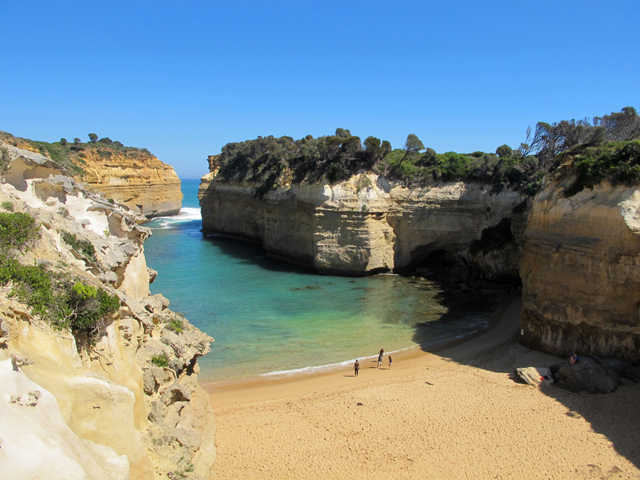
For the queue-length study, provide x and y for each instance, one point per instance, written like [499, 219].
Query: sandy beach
[455, 415]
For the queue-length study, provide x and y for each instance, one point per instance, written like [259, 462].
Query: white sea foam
[187, 214]
[326, 368]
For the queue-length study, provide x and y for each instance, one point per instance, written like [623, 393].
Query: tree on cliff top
[412, 145]
[93, 137]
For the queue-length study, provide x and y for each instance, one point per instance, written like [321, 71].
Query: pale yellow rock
[144, 184]
[364, 225]
[581, 271]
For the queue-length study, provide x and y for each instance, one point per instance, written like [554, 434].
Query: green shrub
[175, 325]
[617, 162]
[160, 360]
[17, 231]
[80, 245]
[8, 206]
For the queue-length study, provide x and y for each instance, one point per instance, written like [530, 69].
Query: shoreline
[451, 415]
[267, 387]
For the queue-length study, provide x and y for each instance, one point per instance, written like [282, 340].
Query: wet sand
[455, 415]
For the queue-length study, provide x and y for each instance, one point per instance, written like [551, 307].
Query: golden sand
[455, 415]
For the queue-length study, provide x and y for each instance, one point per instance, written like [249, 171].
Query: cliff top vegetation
[71, 155]
[270, 162]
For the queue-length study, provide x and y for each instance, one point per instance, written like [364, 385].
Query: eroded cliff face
[122, 414]
[368, 224]
[142, 182]
[581, 271]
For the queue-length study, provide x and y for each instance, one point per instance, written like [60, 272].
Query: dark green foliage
[4, 161]
[106, 141]
[270, 162]
[617, 162]
[504, 151]
[88, 305]
[80, 245]
[17, 231]
[160, 360]
[8, 206]
[93, 137]
[63, 142]
[65, 304]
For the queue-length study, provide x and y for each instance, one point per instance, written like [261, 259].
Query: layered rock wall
[364, 225]
[581, 271]
[143, 183]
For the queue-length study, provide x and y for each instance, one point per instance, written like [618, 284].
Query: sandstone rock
[144, 184]
[581, 271]
[534, 375]
[343, 229]
[586, 375]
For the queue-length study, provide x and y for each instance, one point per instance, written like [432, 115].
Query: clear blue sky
[184, 78]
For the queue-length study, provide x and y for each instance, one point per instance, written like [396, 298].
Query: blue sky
[184, 78]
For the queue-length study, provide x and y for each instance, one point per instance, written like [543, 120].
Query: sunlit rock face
[143, 183]
[581, 271]
[366, 224]
[114, 411]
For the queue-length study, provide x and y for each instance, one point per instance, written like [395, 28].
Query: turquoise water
[272, 318]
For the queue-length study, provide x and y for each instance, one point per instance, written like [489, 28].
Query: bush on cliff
[616, 162]
[64, 302]
[17, 231]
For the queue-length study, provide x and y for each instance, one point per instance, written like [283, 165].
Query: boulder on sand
[587, 375]
[534, 375]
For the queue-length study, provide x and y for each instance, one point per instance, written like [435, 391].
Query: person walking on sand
[356, 368]
[390, 362]
[380, 356]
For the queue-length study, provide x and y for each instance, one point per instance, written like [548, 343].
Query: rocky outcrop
[142, 182]
[131, 398]
[368, 224]
[581, 271]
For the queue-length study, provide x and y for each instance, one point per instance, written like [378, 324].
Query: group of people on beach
[356, 366]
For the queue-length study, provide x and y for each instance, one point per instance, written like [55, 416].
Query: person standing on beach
[356, 367]
[390, 362]
[380, 356]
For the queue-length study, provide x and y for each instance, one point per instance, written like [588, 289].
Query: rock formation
[129, 175]
[368, 224]
[581, 271]
[127, 406]
[142, 182]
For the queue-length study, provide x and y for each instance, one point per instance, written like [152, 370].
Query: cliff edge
[84, 345]
[129, 175]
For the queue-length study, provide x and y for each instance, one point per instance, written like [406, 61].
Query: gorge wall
[142, 182]
[368, 224]
[581, 271]
[126, 406]
[578, 257]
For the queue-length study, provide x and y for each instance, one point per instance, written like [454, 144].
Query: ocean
[271, 318]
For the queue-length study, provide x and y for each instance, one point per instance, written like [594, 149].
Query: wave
[187, 214]
[329, 367]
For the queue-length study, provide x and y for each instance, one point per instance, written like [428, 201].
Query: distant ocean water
[272, 318]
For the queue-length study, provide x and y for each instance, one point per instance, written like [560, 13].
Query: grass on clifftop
[71, 155]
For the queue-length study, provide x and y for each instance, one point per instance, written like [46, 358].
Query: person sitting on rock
[574, 359]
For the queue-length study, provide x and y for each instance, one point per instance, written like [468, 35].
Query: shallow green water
[269, 317]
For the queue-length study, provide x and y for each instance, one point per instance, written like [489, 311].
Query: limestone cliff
[127, 406]
[581, 271]
[129, 175]
[142, 182]
[368, 224]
